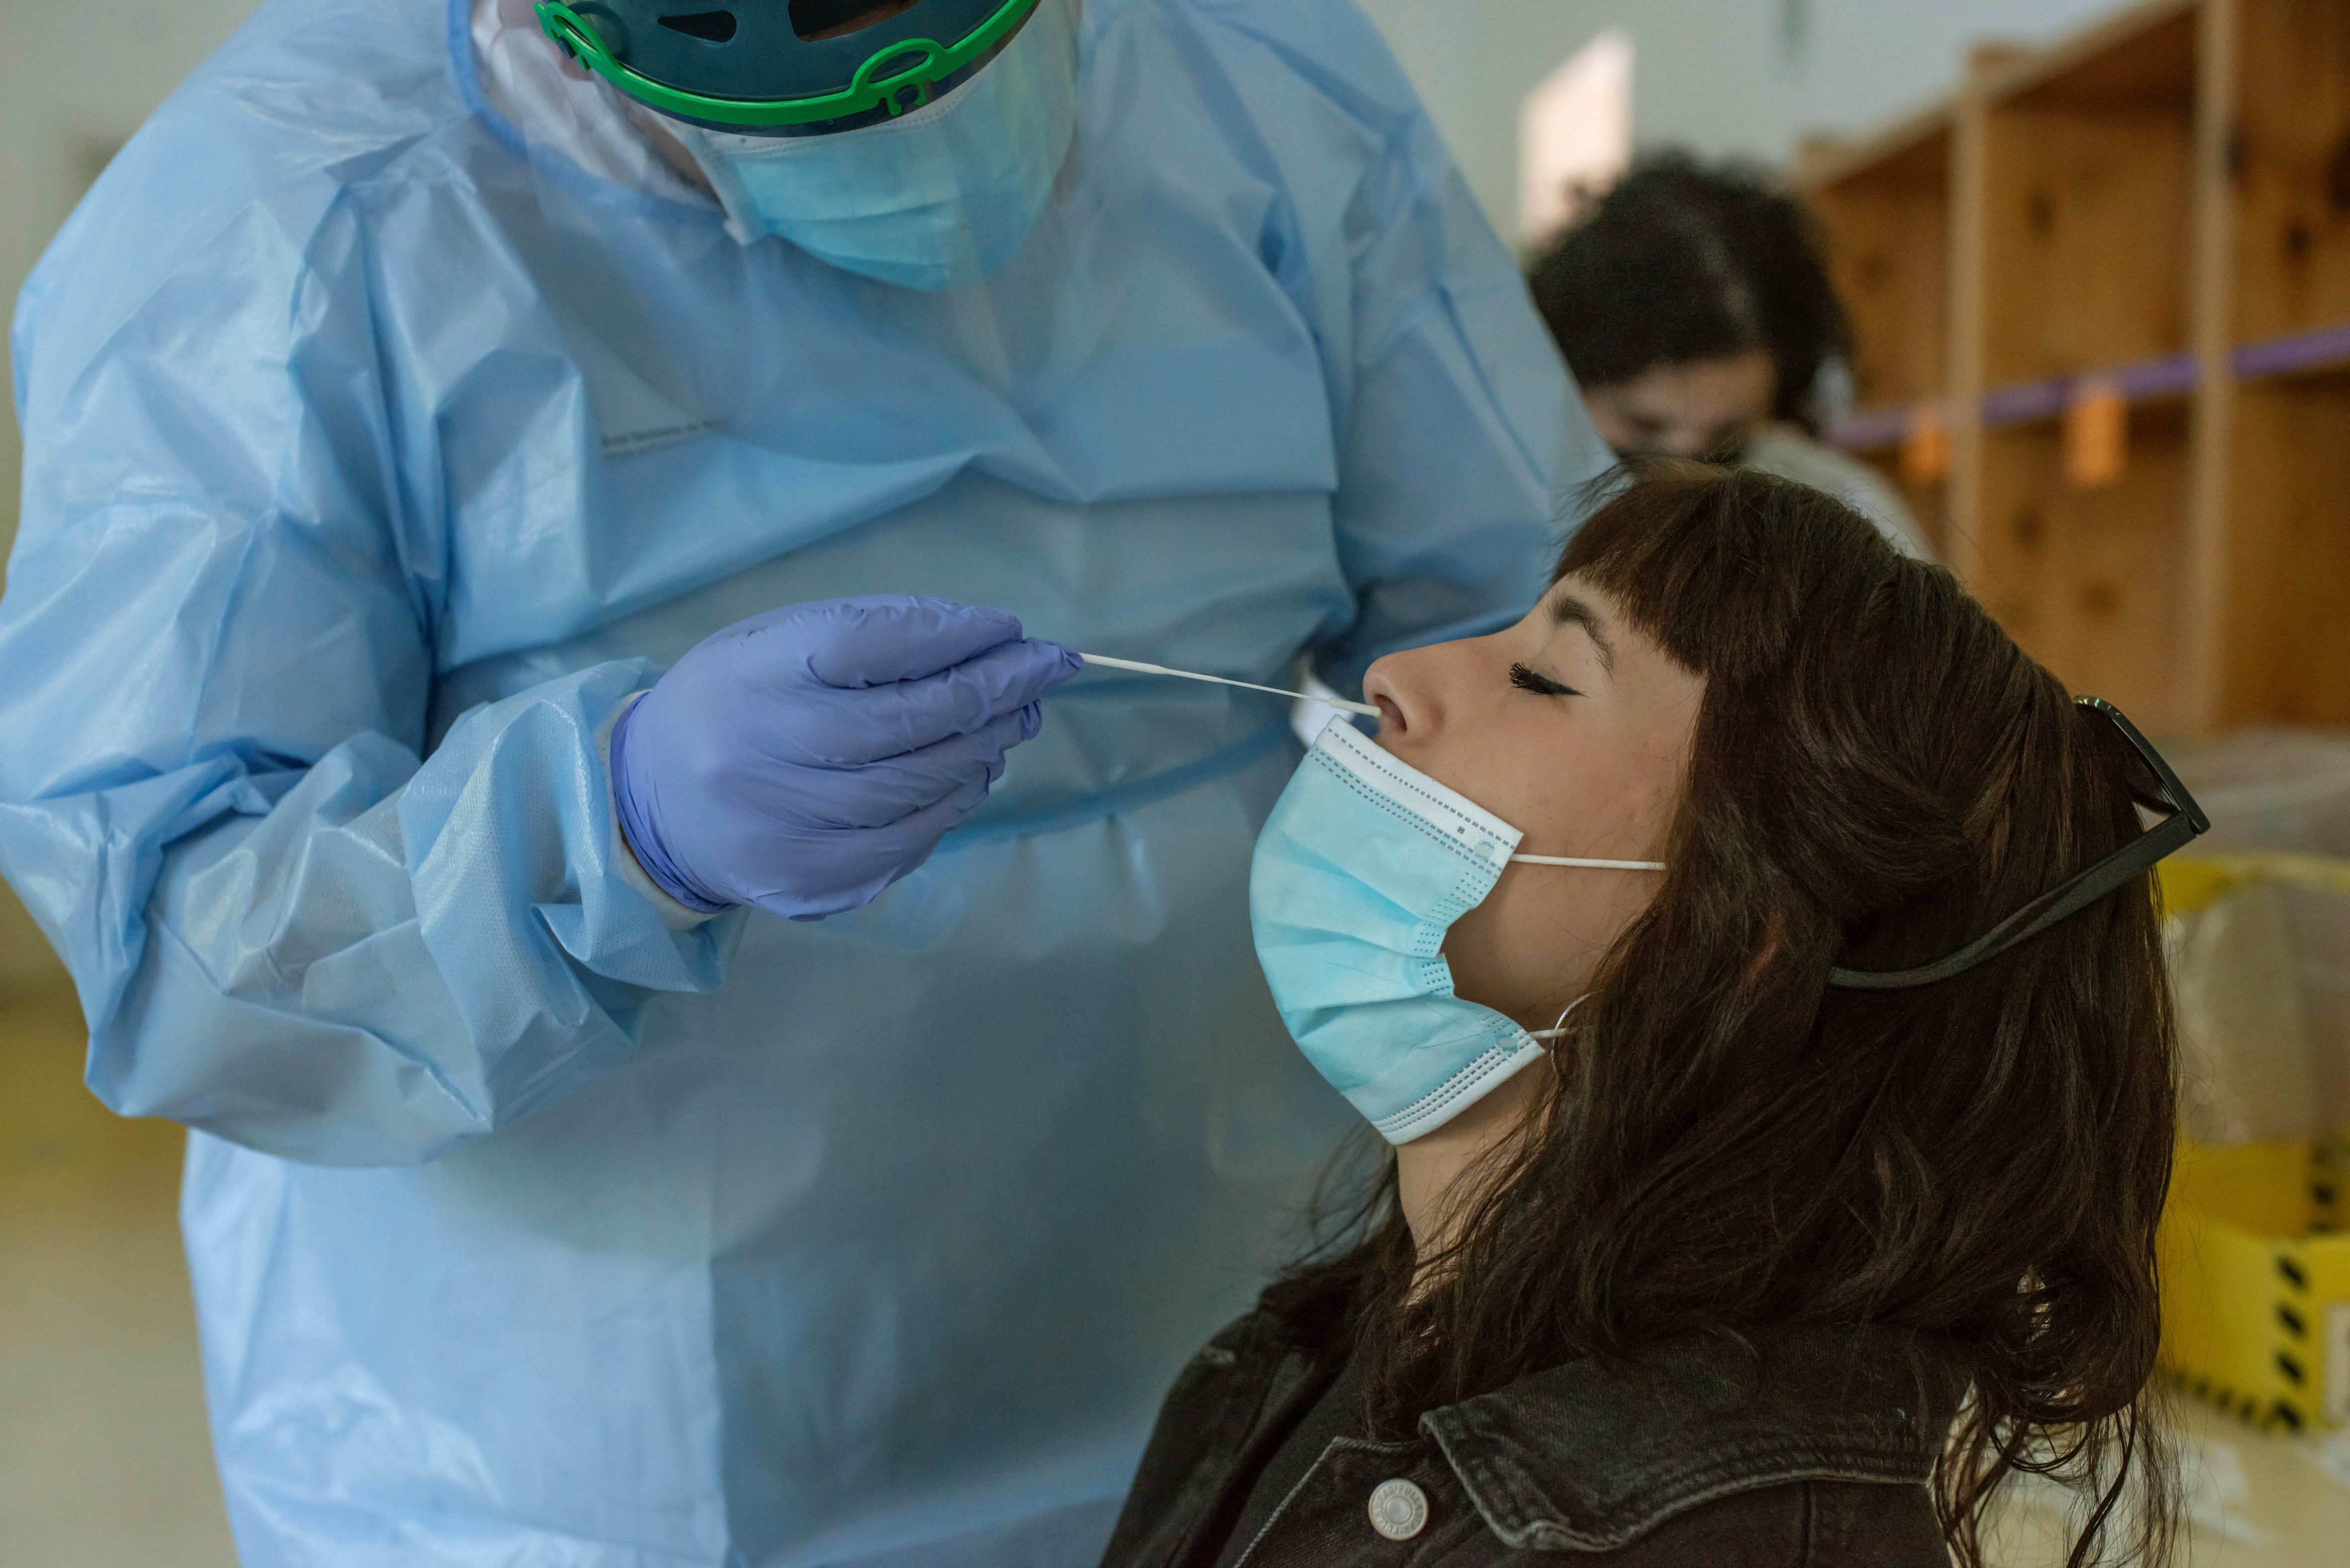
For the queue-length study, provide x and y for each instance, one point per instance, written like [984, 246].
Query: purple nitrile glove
[804, 759]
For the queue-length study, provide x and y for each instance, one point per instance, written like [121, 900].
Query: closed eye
[1525, 680]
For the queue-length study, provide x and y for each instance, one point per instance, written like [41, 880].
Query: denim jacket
[1805, 1446]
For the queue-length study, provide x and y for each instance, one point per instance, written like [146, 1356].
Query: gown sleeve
[289, 927]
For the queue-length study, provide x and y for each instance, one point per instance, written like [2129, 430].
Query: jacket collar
[1592, 1455]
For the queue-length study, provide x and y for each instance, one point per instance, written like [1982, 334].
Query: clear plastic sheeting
[378, 449]
[2261, 966]
[2261, 976]
[2272, 790]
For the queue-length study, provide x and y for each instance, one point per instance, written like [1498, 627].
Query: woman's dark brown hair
[1877, 776]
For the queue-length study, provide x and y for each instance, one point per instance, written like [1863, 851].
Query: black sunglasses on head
[2157, 788]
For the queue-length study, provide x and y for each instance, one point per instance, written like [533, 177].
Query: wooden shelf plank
[1830, 162]
[2166, 376]
[2126, 54]
[2323, 350]
[1874, 430]
[2146, 381]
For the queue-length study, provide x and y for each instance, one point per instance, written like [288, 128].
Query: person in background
[1693, 304]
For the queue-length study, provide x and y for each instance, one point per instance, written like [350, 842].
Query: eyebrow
[1568, 610]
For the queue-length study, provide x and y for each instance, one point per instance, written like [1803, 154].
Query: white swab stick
[1594, 865]
[1141, 669]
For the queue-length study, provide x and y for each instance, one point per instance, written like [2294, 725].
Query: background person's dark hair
[1681, 261]
[1877, 775]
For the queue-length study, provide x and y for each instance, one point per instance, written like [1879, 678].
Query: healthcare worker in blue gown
[415, 392]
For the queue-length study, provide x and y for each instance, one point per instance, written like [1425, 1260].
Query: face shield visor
[918, 149]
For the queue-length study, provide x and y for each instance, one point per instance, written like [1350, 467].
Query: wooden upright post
[1962, 546]
[2205, 584]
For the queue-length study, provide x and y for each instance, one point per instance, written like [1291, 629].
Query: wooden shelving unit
[1888, 206]
[2153, 216]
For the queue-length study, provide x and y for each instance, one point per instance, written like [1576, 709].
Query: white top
[1786, 452]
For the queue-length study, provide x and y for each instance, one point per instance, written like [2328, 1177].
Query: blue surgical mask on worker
[941, 196]
[1362, 868]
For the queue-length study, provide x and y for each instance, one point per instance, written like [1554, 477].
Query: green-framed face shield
[784, 67]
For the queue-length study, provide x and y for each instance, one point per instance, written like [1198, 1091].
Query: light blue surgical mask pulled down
[1364, 865]
[939, 198]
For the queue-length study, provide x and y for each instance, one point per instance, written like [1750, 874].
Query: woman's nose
[1399, 688]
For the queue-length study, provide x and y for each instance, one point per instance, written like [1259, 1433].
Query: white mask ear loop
[1554, 1033]
[1594, 865]
[1559, 1028]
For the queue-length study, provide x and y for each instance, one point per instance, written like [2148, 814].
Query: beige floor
[2252, 1502]
[104, 1462]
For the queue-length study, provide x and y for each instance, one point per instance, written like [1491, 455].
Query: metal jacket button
[1398, 1510]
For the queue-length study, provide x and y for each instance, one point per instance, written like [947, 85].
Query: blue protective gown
[369, 469]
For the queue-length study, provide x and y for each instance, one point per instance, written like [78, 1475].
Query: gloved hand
[804, 759]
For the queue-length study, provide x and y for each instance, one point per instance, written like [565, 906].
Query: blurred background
[2109, 398]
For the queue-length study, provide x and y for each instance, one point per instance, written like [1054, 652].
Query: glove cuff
[643, 837]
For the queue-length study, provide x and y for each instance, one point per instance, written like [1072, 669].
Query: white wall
[76, 79]
[1722, 75]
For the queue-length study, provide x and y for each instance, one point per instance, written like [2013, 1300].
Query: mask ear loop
[1558, 1030]
[1555, 1031]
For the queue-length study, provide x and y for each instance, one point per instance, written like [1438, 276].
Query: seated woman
[1831, 1203]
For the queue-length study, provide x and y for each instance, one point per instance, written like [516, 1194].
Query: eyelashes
[1525, 680]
